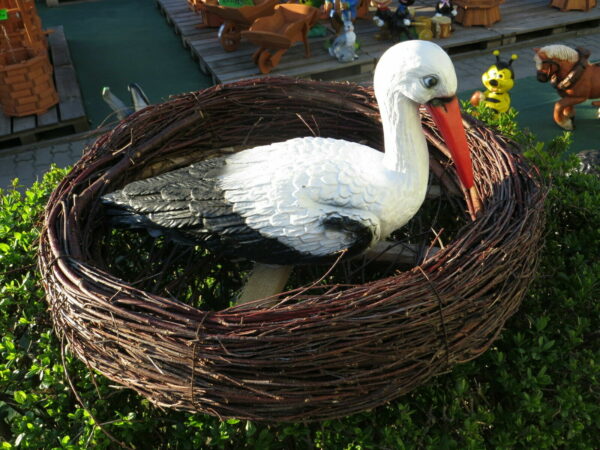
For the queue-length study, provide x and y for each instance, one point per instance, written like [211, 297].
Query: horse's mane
[561, 52]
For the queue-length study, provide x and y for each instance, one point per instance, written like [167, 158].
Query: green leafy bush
[538, 387]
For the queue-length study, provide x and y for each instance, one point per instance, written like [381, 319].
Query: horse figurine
[575, 79]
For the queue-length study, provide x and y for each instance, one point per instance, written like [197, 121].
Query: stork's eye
[429, 81]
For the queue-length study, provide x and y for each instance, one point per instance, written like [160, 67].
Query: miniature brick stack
[26, 84]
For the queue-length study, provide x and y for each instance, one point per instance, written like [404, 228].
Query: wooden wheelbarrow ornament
[235, 20]
[274, 35]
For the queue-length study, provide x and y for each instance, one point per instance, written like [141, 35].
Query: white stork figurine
[307, 199]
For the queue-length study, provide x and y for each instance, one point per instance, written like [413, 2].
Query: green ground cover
[117, 42]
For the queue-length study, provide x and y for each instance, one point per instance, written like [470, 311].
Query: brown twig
[336, 349]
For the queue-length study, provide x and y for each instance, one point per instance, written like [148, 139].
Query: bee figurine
[498, 80]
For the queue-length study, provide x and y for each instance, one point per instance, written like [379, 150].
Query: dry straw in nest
[324, 351]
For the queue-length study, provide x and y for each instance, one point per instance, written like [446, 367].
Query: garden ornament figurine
[569, 71]
[330, 7]
[392, 24]
[498, 79]
[445, 8]
[343, 46]
[336, 10]
[311, 199]
[403, 6]
[382, 18]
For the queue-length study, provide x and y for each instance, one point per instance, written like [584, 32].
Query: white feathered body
[306, 199]
[287, 189]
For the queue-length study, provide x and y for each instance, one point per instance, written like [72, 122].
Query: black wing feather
[188, 206]
[362, 235]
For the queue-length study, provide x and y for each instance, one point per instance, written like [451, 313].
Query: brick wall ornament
[26, 82]
[22, 25]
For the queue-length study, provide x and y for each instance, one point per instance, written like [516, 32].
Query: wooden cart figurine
[275, 34]
[235, 20]
[207, 19]
[498, 80]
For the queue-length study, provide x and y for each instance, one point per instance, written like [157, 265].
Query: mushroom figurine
[310, 199]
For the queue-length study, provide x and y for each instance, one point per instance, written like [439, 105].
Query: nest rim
[207, 361]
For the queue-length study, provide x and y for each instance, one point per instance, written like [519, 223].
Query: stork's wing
[278, 209]
[187, 206]
[319, 196]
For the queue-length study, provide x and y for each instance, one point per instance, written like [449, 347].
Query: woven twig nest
[326, 350]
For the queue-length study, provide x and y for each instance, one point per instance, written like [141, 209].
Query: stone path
[29, 163]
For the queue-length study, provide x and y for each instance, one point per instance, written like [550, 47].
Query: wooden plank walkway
[67, 117]
[521, 20]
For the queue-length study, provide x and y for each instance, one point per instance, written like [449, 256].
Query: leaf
[20, 397]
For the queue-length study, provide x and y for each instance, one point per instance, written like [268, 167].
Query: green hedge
[538, 387]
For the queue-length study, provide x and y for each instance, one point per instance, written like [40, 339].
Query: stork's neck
[405, 144]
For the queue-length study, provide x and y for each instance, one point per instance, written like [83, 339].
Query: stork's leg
[265, 280]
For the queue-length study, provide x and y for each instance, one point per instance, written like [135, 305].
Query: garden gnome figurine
[498, 80]
[342, 47]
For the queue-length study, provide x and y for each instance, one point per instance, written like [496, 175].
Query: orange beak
[447, 117]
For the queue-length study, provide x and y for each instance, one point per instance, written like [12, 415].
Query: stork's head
[422, 72]
[419, 70]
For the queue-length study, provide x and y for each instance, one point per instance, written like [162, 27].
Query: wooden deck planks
[521, 20]
[526, 18]
[65, 118]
